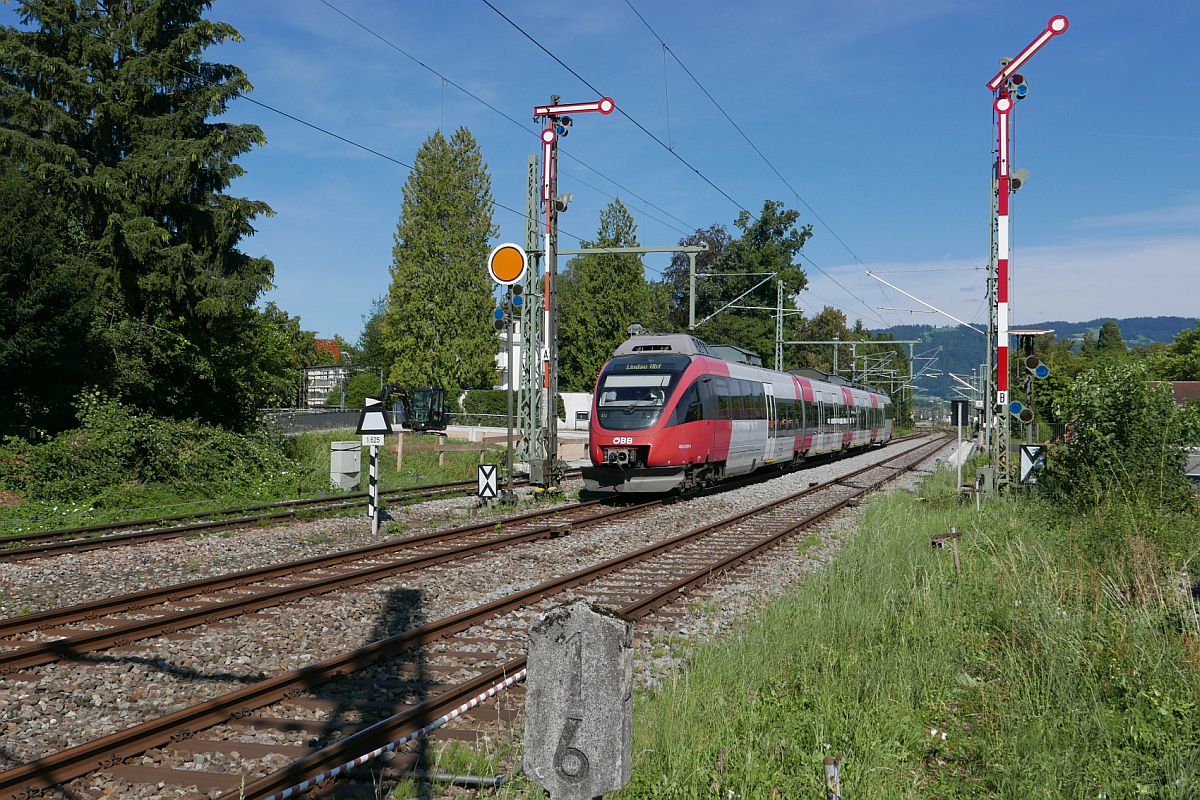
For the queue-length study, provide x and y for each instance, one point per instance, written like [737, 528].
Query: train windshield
[634, 390]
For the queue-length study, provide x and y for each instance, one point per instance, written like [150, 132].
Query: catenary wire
[644, 130]
[753, 146]
[620, 110]
[311, 125]
[523, 126]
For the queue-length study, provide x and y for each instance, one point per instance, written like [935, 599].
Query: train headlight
[620, 456]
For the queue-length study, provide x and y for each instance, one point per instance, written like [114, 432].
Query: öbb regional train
[669, 413]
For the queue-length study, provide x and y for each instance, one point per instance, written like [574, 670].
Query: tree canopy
[1180, 360]
[600, 296]
[739, 275]
[437, 324]
[1110, 339]
[106, 120]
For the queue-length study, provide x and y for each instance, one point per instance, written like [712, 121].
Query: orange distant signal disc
[507, 264]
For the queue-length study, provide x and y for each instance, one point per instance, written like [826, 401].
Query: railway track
[260, 740]
[122, 620]
[115, 534]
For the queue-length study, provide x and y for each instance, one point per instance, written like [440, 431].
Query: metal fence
[301, 420]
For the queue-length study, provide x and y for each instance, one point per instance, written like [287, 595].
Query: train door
[772, 423]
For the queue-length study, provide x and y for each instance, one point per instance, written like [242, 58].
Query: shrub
[487, 406]
[116, 446]
[1127, 442]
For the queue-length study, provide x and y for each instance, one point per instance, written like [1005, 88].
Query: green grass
[1051, 675]
[307, 476]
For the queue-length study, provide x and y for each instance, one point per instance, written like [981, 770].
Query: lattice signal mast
[543, 454]
[1007, 87]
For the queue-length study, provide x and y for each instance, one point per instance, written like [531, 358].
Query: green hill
[963, 349]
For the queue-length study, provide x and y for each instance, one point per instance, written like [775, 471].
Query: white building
[502, 354]
[319, 382]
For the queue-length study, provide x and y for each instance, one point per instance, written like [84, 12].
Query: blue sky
[874, 110]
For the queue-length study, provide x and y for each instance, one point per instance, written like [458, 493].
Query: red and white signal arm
[507, 264]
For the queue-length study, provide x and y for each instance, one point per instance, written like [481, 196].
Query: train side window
[690, 408]
[720, 392]
[708, 396]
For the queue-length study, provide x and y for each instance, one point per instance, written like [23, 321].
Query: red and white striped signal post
[1007, 86]
[557, 123]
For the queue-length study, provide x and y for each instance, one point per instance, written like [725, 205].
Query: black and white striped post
[373, 490]
[374, 427]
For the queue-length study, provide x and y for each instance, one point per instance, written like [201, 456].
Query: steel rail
[78, 540]
[120, 525]
[28, 780]
[380, 733]
[84, 612]
[76, 645]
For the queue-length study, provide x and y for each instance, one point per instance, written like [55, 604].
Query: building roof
[1183, 391]
[330, 346]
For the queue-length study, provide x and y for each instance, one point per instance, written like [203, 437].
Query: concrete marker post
[579, 701]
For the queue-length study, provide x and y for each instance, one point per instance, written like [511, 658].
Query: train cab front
[633, 400]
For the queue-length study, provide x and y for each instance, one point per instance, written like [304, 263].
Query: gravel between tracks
[60, 705]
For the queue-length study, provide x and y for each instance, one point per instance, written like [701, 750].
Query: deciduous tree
[1180, 361]
[768, 244]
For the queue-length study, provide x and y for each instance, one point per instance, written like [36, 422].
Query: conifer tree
[600, 296]
[106, 107]
[437, 326]
[1109, 340]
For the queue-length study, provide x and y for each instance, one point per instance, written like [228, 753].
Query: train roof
[646, 344]
[650, 343]
[816, 374]
[683, 344]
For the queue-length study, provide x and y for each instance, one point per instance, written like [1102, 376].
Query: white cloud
[1185, 215]
[1076, 280]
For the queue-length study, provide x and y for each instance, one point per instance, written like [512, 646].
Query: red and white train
[669, 414]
